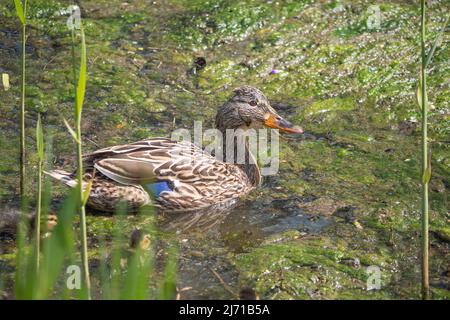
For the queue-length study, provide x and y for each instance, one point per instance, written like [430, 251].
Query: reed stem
[22, 109]
[425, 162]
[77, 116]
[40, 151]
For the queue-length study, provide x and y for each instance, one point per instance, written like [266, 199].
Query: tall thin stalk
[22, 14]
[22, 109]
[422, 100]
[40, 152]
[426, 169]
[80, 87]
[20, 258]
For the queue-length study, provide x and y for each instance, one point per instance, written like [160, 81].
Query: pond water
[233, 232]
[346, 196]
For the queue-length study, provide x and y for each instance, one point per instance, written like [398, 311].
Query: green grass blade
[58, 249]
[20, 11]
[427, 174]
[40, 139]
[40, 152]
[86, 192]
[436, 42]
[419, 91]
[81, 87]
[168, 290]
[71, 131]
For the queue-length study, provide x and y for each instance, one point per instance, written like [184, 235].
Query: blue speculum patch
[157, 187]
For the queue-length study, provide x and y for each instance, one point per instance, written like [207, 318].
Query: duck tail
[67, 178]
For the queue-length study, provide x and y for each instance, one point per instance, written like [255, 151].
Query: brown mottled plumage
[192, 178]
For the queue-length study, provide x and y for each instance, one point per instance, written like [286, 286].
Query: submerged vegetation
[345, 198]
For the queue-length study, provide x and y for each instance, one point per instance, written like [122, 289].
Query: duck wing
[152, 160]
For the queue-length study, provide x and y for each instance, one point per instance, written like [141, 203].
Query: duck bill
[276, 122]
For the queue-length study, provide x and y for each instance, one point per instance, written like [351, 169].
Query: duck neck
[236, 151]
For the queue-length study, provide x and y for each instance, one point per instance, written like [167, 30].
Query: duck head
[249, 108]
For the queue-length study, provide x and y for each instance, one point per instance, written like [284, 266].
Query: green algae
[366, 20]
[351, 87]
[305, 269]
[329, 111]
[213, 23]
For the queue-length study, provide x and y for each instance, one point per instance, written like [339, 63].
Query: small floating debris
[247, 293]
[358, 225]
[198, 65]
[351, 262]
[5, 81]
[139, 239]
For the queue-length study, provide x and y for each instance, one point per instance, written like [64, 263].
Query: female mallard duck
[178, 176]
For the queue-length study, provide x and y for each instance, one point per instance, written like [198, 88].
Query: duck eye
[253, 103]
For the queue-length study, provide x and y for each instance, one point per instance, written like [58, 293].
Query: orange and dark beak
[276, 122]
